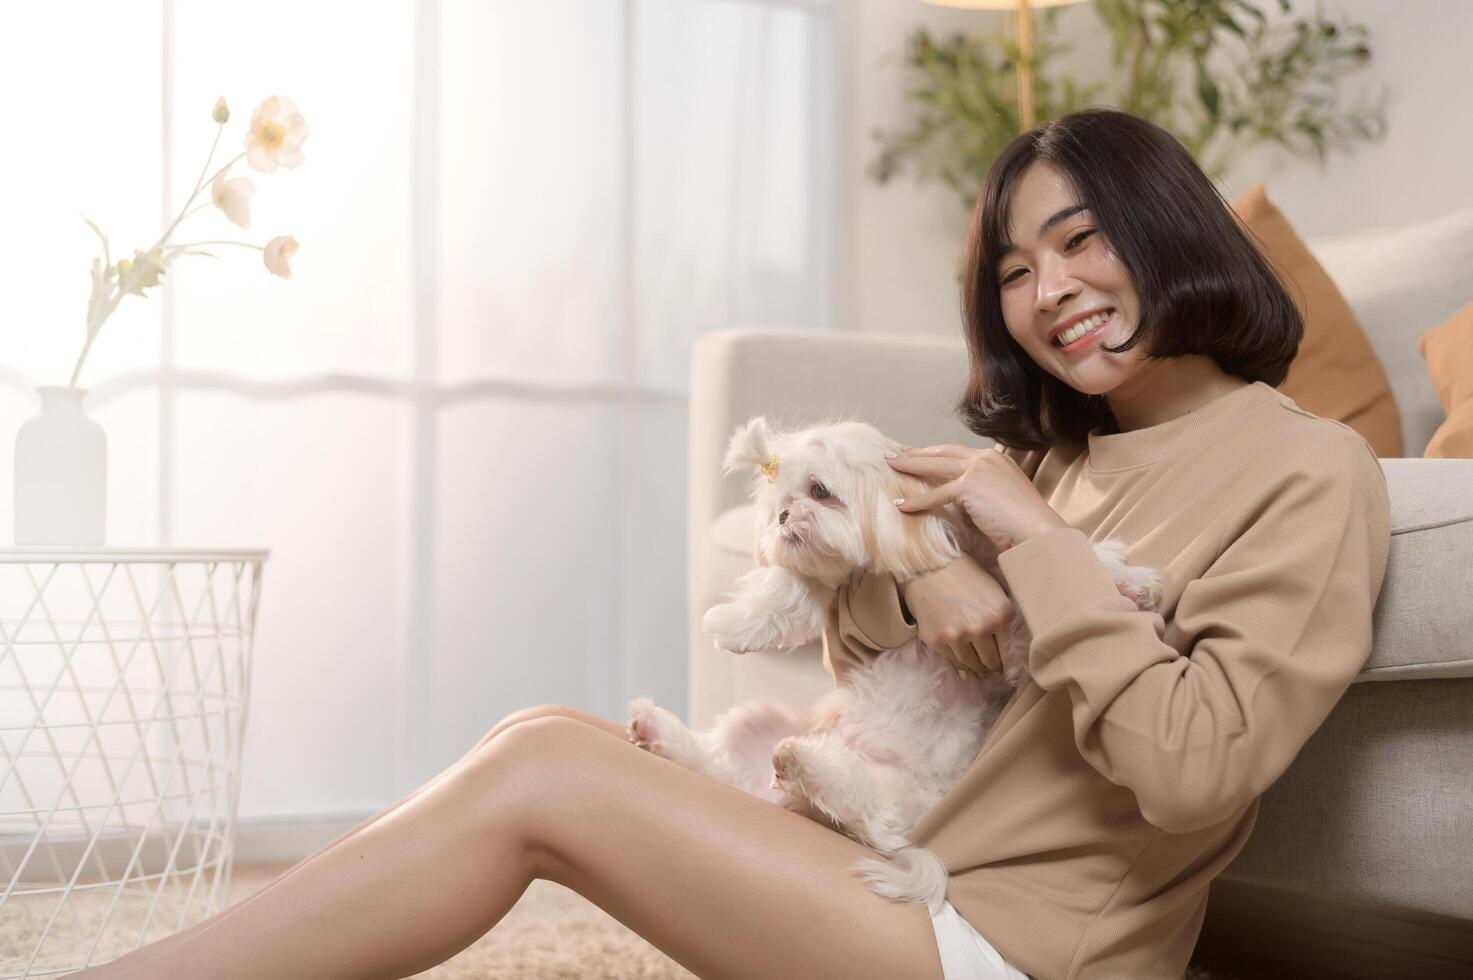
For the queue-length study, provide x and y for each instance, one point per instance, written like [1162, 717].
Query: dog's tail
[912, 874]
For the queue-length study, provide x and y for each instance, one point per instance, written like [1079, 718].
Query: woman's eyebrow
[1064, 214]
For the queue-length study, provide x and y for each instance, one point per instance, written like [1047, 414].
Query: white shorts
[965, 954]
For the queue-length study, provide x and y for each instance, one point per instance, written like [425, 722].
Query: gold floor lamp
[1025, 42]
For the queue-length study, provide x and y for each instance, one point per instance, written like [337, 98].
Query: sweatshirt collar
[1124, 450]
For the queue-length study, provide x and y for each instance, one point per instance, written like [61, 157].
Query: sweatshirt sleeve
[1277, 627]
[865, 620]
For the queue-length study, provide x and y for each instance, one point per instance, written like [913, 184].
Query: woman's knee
[550, 711]
[510, 781]
[526, 714]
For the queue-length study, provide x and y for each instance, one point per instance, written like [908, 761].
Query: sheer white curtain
[460, 427]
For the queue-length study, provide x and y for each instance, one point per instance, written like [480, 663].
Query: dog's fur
[873, 756]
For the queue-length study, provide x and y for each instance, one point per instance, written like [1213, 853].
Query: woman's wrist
[1042, 527]
[905, 586]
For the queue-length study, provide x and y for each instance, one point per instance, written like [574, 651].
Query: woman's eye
[1075, 240]
[819, 491]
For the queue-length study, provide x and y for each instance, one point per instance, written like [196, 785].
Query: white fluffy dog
[873, 756]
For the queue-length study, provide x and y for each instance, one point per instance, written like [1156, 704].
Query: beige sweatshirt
[1118, 783]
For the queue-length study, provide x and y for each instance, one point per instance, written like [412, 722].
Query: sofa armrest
[1423, 618]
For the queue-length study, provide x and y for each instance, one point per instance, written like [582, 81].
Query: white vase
[60, 473]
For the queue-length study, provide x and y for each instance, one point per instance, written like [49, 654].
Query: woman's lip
[1084, 341]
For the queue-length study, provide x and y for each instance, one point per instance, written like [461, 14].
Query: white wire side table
[124, 686]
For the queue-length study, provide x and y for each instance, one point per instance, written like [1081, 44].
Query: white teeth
[1081, 328]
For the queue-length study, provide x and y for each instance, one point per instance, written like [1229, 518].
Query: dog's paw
[1139, 583]
[1141, 586]
[785, 766]
[642, 729]
[730, 627]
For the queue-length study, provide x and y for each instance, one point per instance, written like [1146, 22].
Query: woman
[1110, 791]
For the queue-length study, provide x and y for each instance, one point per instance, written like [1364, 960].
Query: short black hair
[1204, 287]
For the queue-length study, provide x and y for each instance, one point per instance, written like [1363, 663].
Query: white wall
[899, 244]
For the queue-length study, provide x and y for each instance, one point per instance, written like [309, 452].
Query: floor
[1270, 933]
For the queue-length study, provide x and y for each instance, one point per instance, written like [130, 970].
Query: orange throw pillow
[1449, 353]
[1336, 374]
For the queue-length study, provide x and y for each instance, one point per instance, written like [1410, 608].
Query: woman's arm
[1279, 624]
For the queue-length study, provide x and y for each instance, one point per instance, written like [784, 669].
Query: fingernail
[889, 455]
[899, 500]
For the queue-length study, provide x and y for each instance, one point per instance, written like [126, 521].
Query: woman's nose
[1054, 284]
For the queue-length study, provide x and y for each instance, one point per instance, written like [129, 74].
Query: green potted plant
[1217, 74]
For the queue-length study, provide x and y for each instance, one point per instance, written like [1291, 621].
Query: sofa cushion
[1402, 281]
[1423, 619]
[1449, 353]
[1336, 374]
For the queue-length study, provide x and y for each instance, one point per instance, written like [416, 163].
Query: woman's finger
[929, 467]
[971, 658]
[987, 654]
[961, 656]
[947, 449]
[927, 499]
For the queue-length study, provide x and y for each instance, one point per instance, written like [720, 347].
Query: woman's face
[1062, 268]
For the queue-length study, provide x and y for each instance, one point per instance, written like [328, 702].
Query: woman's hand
[957, 608]
[999, 498]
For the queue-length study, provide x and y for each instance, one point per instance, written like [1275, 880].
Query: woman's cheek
[1012, 316]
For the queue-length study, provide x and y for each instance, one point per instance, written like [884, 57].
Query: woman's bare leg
[526, 714]
[722, 882]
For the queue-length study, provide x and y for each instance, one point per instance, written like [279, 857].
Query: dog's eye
[819, 491]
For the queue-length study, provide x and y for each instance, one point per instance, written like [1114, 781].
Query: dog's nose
[782, 518]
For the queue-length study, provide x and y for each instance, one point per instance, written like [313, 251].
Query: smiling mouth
[1057, 342]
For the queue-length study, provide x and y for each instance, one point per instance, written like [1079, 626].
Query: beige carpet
[552, 933]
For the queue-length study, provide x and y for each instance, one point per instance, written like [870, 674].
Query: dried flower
[275, 139]
[233, 197]
[278, 253]
[143, 272]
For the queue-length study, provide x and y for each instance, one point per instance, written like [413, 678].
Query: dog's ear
[900, 543]
[748, 445]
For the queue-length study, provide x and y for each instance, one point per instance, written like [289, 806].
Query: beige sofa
[1362, 858]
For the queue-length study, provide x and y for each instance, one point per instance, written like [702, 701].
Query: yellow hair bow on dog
[769, 469]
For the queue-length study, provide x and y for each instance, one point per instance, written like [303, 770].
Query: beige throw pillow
[1449, 353]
